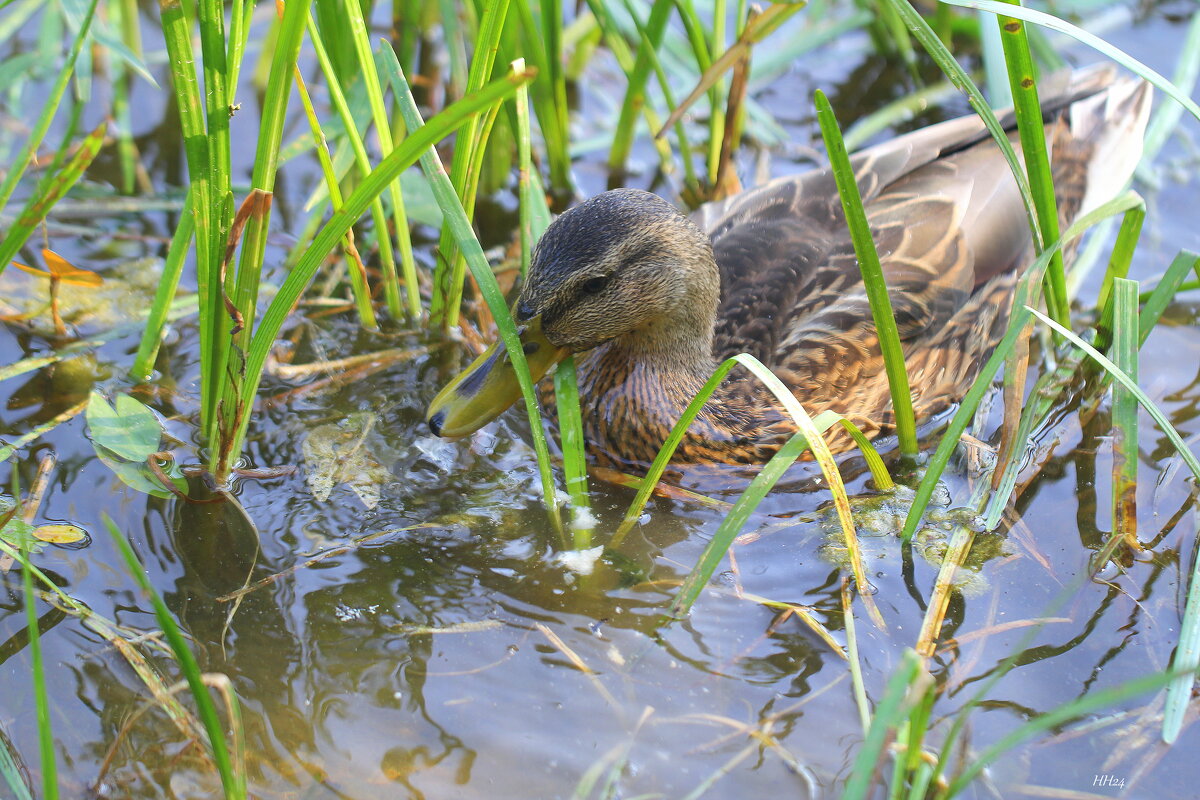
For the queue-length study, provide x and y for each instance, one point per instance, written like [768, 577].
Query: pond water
[450, 651]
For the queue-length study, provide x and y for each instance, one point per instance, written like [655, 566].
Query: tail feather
[1114, 123]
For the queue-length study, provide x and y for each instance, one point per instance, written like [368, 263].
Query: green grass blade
[872, 274]
[358, 277]
[1187, 654]
[1130, 384]
[635, 91]
[1125, 413]
[758, 29]
[242, 286]
[362, 162]
[181, 60]
[1185, 662]
[49, 192]
[1118, 267]
[1165, 118]
[722, 540]
[42, 125]
[468, 244]
[1172, 281]
[450, 272]
[164, 296]
[534, 214]
[690, 182]
[286, 50]
[958, 76]
[907, 680]
[383, 130]
[12, 774]
[41, 700]
[807, 426]
[1053, 720]
[1016, 324]
[1091, 40]
[1022, 80]
[625, 59]
[570, 429]
[233, 785]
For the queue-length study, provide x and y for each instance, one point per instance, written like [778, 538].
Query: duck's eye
[595, 285]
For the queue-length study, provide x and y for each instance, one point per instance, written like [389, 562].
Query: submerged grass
[37, 670]
[233, 782]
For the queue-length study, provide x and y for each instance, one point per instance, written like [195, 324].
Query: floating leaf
[338, 453]
[137, 475]
[59, 533]
[131, 430]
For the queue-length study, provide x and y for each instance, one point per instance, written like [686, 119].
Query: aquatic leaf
[59, 533]
[131, 430]
[338, 453]
[16, 532]
[137, 475]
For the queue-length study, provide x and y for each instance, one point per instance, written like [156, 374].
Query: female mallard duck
[654, 300]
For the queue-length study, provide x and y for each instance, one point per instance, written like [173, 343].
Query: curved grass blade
[1016, 323]
[807, 428]
[233, 784]
[1091, 40]
[1055, 719]
[467, 243]
[958, 76]
[872, 275]
[1121, 377]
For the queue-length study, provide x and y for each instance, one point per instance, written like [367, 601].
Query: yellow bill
[485, 389]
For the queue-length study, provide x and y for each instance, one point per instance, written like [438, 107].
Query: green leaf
[17, 533]
[138, 476]
[131, 430]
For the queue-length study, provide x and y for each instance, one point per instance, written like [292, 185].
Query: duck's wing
[948, 223]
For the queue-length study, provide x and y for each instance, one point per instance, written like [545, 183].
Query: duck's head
[622, 265]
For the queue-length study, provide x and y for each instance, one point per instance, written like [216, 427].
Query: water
[455, 655]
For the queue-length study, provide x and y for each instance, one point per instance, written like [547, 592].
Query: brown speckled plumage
[653, 300]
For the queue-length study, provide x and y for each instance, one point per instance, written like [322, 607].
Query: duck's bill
[484, 390]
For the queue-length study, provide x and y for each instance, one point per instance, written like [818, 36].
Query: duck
[650, 300]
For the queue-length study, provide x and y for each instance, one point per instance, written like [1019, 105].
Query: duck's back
[950, 229]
